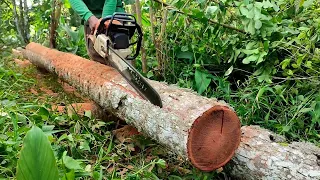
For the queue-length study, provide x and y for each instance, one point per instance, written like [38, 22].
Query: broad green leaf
[70, 163]
[251, 28]
[275, 6]
[84, 145]
[308, 3]
[211, 10]
[267, 4]
[244, 11]
[258, 24]
[185, 55]
[202, 81]
[251, 51]
[252, 58]
[37, 160]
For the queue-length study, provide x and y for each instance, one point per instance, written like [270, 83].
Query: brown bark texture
[202, 130]
[55, 16]
[265, 155]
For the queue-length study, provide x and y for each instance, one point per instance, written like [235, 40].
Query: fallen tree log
[261, 154]
[266, 155]
[204, 131]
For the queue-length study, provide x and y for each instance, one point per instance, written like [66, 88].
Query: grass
[90, 142]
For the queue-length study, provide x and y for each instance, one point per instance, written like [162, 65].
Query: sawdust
[22, 64]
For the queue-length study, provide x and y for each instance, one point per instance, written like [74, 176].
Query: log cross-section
[202, 130]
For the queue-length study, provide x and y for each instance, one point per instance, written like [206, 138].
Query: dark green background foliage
[262, 57]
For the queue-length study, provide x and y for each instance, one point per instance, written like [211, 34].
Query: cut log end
[213, 138]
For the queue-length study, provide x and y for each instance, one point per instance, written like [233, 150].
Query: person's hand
[106, 24]
[93, 23]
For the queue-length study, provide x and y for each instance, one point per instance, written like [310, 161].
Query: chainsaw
[113, 44]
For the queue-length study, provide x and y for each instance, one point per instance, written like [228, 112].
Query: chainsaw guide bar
[113, 44]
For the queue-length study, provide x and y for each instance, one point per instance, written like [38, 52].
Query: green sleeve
[81, 9]
[111, 6]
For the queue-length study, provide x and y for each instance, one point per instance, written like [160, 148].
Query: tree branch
[192, 17]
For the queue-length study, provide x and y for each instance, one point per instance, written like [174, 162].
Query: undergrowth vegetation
[262, 57]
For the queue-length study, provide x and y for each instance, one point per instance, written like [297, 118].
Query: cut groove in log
[186, 122]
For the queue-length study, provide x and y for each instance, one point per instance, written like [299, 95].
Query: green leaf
[161, 163]
[185, 55]
[251, 28]
[88, 114]
[305, 110]
[286, 128]
[285, 63]
[202, 81]
[69, 176]
[261, 59]
[211, 10]
[244, 11]
[308, 3]
[184, 48]
[37, 160]
[84, 145]
[267, 4]
[229, 71]
[251, 51]
[67, 4]
[70, 163]
[150, 74]
[258, 24]
[251, 58]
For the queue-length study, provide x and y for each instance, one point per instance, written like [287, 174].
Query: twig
[195, 18]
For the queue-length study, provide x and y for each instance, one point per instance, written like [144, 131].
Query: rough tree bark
[202, 130]
[265, 155]
[143, 51]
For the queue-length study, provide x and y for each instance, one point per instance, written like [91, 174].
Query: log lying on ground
[202, 130]
[265, 155]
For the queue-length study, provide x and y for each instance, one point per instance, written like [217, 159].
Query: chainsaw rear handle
[124, 18]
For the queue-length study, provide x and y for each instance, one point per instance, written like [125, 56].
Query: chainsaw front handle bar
[123, 18]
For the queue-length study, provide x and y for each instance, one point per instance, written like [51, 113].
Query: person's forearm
[81, 9]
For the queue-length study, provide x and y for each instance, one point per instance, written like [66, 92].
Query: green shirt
[99, 8]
